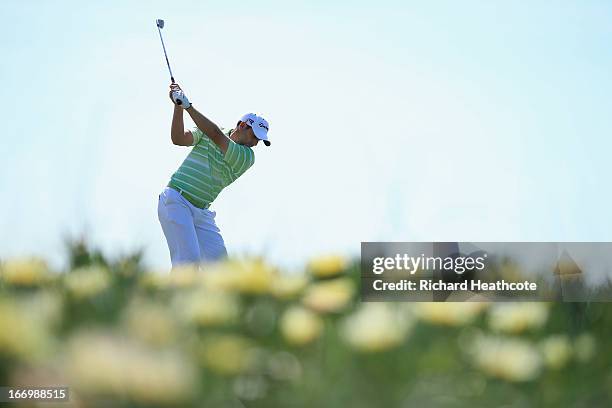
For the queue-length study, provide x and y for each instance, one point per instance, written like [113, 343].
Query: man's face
[245, 135]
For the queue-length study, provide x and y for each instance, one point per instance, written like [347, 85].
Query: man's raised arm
[202, 122]
[209, 128]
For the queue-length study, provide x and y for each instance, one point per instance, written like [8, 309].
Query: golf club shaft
[165, 54]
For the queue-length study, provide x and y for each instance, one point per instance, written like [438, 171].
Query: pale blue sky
[390, 121]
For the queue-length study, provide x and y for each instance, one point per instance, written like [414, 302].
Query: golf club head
[160, 23]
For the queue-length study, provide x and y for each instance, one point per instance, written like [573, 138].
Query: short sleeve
[239, 157]
[197, 136]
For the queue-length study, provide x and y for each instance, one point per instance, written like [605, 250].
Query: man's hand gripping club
[178, 97]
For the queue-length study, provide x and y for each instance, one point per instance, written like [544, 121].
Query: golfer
[217, 159]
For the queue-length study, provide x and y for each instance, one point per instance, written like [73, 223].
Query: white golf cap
[260, 126]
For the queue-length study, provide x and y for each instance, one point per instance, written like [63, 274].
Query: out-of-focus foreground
[243, 333]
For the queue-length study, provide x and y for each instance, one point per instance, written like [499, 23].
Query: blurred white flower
[517, 317]
[506, 358]
[449, 313]
[330, 295]
[87, 282]
[150, 322]
[375, 327]
[556, 350]
[103, 365]
[300, 326]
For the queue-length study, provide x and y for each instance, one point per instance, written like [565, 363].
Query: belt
[190, 198]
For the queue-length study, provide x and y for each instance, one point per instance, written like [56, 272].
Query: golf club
[160, 25]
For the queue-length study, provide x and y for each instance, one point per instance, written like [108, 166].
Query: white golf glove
[181, 99]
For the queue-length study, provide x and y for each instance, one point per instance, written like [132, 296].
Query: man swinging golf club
[217, 159]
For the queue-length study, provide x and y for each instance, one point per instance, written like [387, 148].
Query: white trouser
[191, 232]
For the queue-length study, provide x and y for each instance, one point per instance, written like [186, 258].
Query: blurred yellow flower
[449, 313]
[517, 317]
[584, 347]
[108, 365]
[287, 287]
[300, 326]
[87, 281]
[150, 322]
[184, 276]
[24, 332]
[251, 276]
[207, 307]
[327, 266]
[227, 354]
[556, 351]
[375, 327]
[221, 278]
[506, 358]
[330, 295]
[154, 279]
[25, 272]
[46, 306]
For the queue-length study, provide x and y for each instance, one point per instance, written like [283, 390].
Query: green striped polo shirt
[206, 170]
